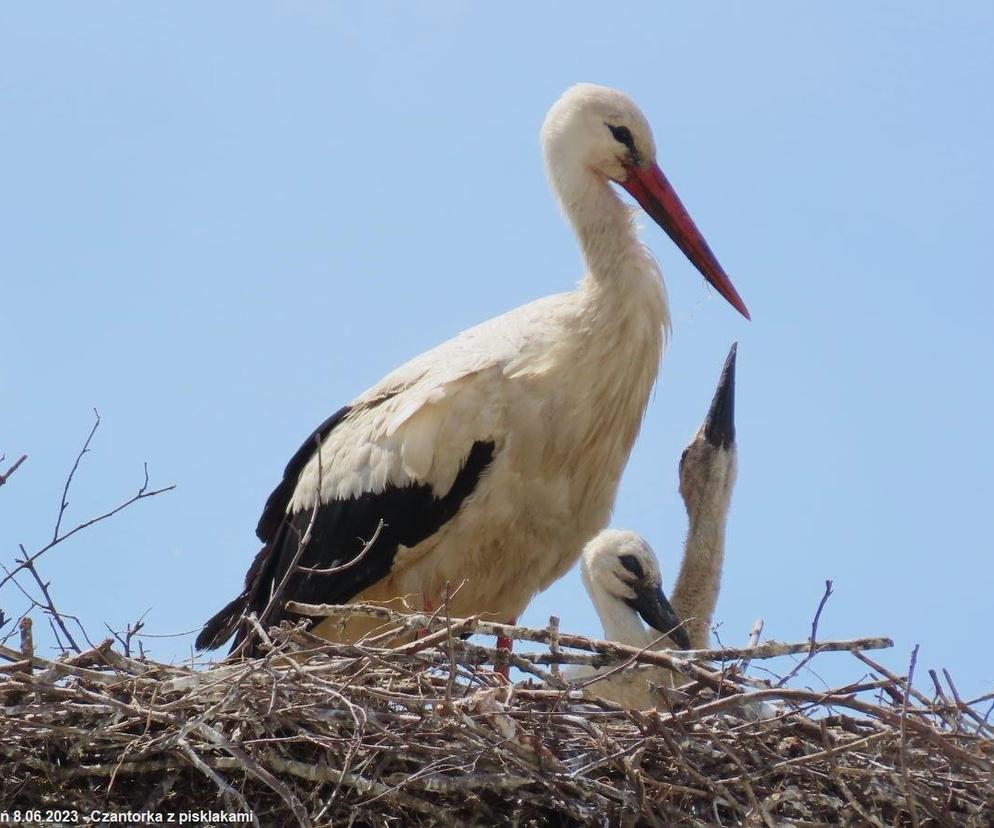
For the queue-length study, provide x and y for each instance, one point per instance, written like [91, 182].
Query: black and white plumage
[492, 458]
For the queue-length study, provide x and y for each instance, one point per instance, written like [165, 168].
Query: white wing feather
[418, 424]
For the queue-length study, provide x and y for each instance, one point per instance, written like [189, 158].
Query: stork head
[600, 130]
[619, 566]
[708, 464]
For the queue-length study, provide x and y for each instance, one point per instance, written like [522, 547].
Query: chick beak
[658, 613]
[719, 427]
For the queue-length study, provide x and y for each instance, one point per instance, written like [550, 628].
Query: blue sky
[221, 222]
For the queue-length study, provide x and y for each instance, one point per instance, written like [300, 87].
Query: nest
[426, 733]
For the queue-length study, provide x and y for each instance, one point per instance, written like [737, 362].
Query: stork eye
[631, 563]
[623, 135]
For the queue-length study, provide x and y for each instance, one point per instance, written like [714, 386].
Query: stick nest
[425, 733]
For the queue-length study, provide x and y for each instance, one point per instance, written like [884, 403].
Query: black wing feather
[274, 511]
[410, 514]
[341, 528]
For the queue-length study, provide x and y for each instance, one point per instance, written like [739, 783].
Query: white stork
[621, 573]
[494, 457]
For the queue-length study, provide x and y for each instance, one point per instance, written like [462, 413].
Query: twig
[554, 642]
[229, 793]
[4, 477]
[908, 792]
[814, 637]
[967, 708]
[754, 633]
[130, 631]
[334, 570]
[64, 502]
[49, 605]
[450, 685]
[253, 767]
[663, 658]
[143, 493]
[27, 642]
[830, 753]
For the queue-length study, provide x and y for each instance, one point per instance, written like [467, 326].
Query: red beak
[653, 192]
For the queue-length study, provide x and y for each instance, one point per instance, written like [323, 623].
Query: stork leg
[428, 608]
[505, 643]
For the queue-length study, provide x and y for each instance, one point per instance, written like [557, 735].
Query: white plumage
[493, 457]
[621, 594]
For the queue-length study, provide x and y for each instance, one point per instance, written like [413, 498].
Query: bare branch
[49, 605]
[663, 658]
[754, 634]
[908, 792]
[27, 641]
[814, 637]
[4, 477]
[130, 631]
[143, 493]
[334, 570]
[64, 502]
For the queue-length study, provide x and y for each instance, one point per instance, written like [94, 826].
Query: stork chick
[622, 577]
[708, 467]
[621, 574]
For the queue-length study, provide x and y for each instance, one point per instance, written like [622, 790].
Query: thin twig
[554, 642]
[64, 500]
[754, 635]
[814, 637]
[27, 642]
[334, 570]
[143, 493]
[908, 792]
[49, 605]
[4, 477]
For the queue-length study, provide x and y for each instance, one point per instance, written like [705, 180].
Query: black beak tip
[719, 427]
[681, 638]
[658, 613]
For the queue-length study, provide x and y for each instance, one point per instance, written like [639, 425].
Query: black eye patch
[623, 135]
[631, 563]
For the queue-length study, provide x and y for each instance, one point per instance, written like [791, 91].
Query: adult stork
[492, 458]
[621, 572]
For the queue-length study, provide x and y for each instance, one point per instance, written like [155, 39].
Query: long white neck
[604, 351]
[696, 591]
[620, 622]
[622, 279]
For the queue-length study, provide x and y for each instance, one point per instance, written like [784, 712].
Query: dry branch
[6, 475]
[27, 562]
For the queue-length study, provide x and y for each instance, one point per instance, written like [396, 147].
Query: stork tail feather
[222, 625]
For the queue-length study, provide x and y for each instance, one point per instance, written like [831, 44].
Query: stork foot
[503, 667]
[428, 609]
